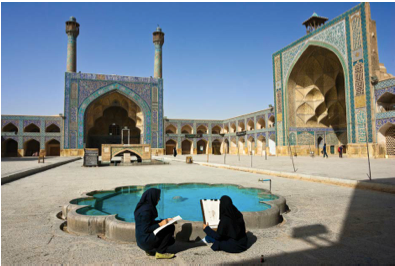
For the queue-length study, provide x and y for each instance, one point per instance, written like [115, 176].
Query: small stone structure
[142, 151]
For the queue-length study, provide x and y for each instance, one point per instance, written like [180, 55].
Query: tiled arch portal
[127, 93]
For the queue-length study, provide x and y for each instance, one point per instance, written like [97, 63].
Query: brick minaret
[72, 30]
[159, 40]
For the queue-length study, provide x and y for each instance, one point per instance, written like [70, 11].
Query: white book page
[211, 212]
[173, 220]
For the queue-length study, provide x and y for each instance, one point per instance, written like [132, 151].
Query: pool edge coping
[112, 228]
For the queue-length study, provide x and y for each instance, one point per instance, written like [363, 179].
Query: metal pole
[251, 151]
[238, 149]
[367, 148]
[208, 152]
[290, 150]
[225, 155]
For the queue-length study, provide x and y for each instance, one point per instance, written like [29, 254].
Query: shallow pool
[183, 200]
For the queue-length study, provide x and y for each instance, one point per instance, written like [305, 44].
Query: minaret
[72, 30]
[159, 40]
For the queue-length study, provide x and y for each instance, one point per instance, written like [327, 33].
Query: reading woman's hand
[163, 222]
[205, 225]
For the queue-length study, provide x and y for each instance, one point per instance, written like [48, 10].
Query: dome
[72, 19]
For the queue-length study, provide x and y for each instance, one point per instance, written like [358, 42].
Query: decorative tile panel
[306, 138]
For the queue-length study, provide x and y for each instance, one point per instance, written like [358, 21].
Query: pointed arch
[314, 76]
[202, 129]
[250, 125]
[52, 128]
[170, 145]
[260, 124]
[9, 148]
[128, 93]
[171, 129]
[31, 128]
[186, 129]
[202, 146]
[186, 146]
[10, 127]
[52, 147]
[31, 147]
[216, 129]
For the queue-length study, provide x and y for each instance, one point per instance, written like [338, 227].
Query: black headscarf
[231, 222]
[148, 201]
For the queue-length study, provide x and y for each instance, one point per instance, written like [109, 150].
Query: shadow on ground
[367, 236]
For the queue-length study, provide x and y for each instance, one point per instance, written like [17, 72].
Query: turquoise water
[183, 200]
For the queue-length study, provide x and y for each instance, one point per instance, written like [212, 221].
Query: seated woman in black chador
[231, 233]
[144, 216]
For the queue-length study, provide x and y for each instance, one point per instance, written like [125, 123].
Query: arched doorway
[261, 145]
[186, 146]
[31, 147]
[10, 127]
[216, 145]
[271, 121]
[202, 129]
[250, 125]
[260, 123]
[10, 148]
[241, 126]
[107, 116]
[52, 128]
[241, 146]
[316, 91]
[390, 140]
[32, 128]
[226, 129]
[233, 128]
[170, 145]
[226, 146]
[201, 146]
[320, 142]
[233, 146]
[386, 102]
[216, 130]
[170, 129]
[186, 129]
[52, 148]
[251, 144]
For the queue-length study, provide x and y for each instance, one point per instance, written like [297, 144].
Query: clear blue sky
[216, 57]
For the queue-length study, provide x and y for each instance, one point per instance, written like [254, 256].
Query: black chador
[231, 233]
[144, 216]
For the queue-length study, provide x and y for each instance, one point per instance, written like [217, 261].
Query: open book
[210, 210]
[173, 220]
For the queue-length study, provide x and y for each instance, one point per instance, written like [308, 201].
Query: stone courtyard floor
[383, 170]
[12, 164]
[326, 224]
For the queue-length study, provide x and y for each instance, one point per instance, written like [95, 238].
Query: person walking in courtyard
[175, 152]
[231, 233]
[340, 150]
[324, 151]
[144, 216]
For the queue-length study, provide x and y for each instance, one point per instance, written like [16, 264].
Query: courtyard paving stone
[326, 224]
[13, 164]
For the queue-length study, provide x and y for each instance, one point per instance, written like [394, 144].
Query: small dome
[72, 19]
[158, 29]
